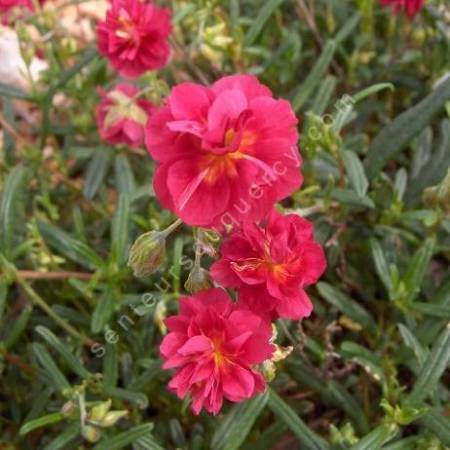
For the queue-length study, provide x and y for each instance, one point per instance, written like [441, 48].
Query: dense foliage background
[369, 369]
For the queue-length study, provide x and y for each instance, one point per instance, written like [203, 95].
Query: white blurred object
[13, 70]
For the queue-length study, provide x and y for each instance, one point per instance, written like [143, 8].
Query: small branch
[63, 275]
[37, 300]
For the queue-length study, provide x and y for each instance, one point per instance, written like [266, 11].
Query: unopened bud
[439, 195]
[147, 253]
[198, 280]
[99, 411]
[111, 418]
[91, 434]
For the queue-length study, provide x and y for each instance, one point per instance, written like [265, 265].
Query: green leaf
[49, 366]
[70, 247]
[361, 95]
[41, 422]
[355, 172]
[430, 166]
[148, 443]
[126, 438]
[332, 392]
[18, 327]
[258, 23]
[323, 95]
[3, 297]
[315, 76]
[96, 172]
[368, 360]
[411, 341]
[409, 443]
[6, 90]
[351, 198]
[381, 265]
[396, 136]
[110, 366]
[72, 361]
[137, 398]
[234, 428]
[346, 305]
[433, 368]
[120, 230]
[103, 311]
[437, 423]
[417, 268]
[304, 435]
[377, 438]
[11, 208]
[63, 439]
[430, 309]
[125, 181]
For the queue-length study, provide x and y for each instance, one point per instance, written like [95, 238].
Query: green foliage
[79, 333]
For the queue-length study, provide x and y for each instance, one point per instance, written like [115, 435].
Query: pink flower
[271, 265]
[134, 37]
[121, 117]
[226, 153]
[214, 347]
[411, 7]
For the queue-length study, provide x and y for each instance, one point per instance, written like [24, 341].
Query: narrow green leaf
[70, 247]
[332, 393]
[351, 198]
[125, 181]
[315, 76]
[148, 443]
[63, 439]
[323, 95]
[355, 172]
[17, 327]
[11, 207]
[348, 28]
[381, 265]
[395, 137]
[234, 428]
[49, 366]
[417, 268]
[429, 309]
[305, 436]
[72, 361]
[411, 341]
[137, 398]
[3, 297]
[7, 90]
[126, 438]
[96, 172]
[346, 305]
[437, 423]
[103, 311]
[433, 368]
[361, 95]
[377, 438]
[110, 365]
[41, 422]
[258, 23]
[409, 443]
[120, 230]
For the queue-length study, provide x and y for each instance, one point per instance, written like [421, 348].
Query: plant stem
[37, 300]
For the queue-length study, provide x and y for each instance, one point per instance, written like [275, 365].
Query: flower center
[218, 355]
[225, 164]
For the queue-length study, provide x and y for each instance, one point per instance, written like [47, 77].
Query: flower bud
[91, 434]
[111, 418]
[439, 195]
[99, 411]
[198, 280]
[147, 253]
